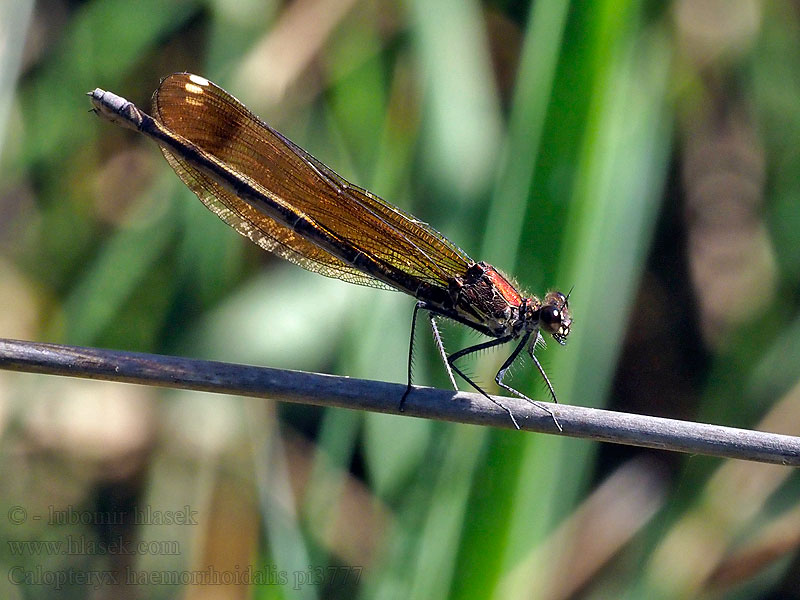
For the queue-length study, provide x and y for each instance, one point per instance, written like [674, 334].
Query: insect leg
[437, 337]
[510, 360]
[417, 307]
[477, 348]
[542, 373]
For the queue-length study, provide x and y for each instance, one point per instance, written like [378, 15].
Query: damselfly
[283, 199]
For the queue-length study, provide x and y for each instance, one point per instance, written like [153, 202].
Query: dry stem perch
[359, 394]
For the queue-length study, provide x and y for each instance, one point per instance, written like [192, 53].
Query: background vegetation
[643, 152]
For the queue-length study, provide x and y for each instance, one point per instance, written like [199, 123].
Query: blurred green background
[645, 153]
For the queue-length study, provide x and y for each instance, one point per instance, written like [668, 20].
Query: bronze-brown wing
[265, 232]
[219, 124]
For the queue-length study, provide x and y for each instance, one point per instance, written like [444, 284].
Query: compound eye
[550, 316]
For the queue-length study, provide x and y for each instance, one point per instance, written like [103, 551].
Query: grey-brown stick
[376, 396]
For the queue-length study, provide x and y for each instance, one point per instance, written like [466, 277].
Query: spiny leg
[477, 348]
[437, 337]
[542, 373]
[417, 307]
[507, 364]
